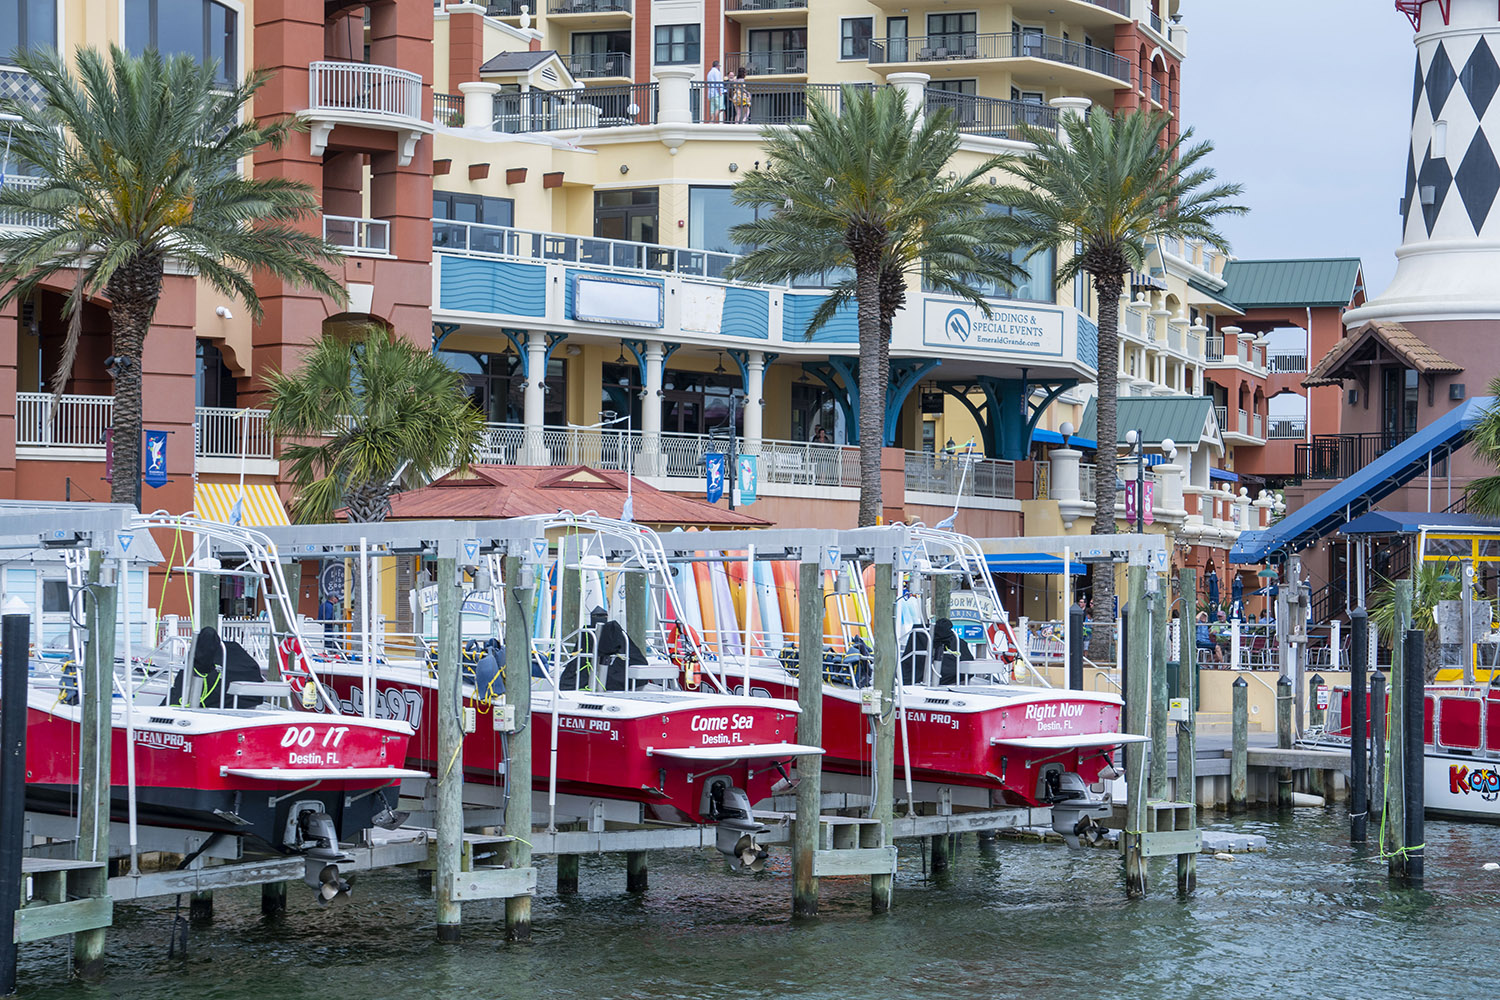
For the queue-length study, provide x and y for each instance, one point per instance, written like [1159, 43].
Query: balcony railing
[1287, 428]
[1214, 347]
[1221, 414]
[20, 217]
[1156, 91]
[1086, 481]
[1284, 363]
[1339, 456]
[960, 475]
[676, 456]
[593, 107]
[45, 421]
[592, 65]
[370, 237]
[766, 61]
[1118, 6]
[379, 91]
[532, 245]
[777, 103]
[511, 8]
[589, 7]
[732, 5]
[1258, 426]
[226, 432]
[448, 109]
[963, 45]
[1156, 21]
[991, 116]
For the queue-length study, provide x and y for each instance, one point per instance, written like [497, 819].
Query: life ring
[290, 662]
[1000, 642]
[683, 656]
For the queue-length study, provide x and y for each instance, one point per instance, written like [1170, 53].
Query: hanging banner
[749, 478]
[155, 466]
[714, 464]
[1147, 517]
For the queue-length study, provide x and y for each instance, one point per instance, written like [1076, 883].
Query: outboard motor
[320, 851]
[1075, 813]
[730, 808]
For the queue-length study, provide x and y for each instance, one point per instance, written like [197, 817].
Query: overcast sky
[1308, 104]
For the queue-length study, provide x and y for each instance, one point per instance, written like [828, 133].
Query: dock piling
[1239, 753]
[272, 898]
[450, 770]
[636, 877]
[809, 733]
[96, 675]
[1415, 751]
[567, 874]
[1137, 691]
[16, 634]
[517, 852]
[1157, 602]
[1075, 648]
[1284, 703]
[1395, 762]
[201, 907]
[1377, 744]
[1359, 713]
[883, 634]
[1187, 732]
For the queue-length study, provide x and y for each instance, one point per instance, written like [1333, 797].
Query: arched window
[203, 29]
[28, 24]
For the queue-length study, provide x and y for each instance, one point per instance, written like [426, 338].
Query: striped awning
[218, 502]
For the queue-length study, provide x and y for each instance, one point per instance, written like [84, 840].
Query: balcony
[767, 62]
[968, 47]
[777, 13]
[1213, 349]
[448, 109]
[1221, 414]
[1339, 456]
[1285, 364]
[1156, 92]
[776, 103]
[960, 475]
[563, 110]
[564, 7]
[73, 427]
[379, 97]
[358, 237]
[534, 245]
[1286, 428]
[740, 6]
[990, 116]
[598, 65]
[18, 218]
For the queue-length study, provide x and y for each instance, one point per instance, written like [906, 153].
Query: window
[895, 39]
[1027, 39]
[28, 24]
[966, 87]
[600, 53]
[677, 43]
[460, 208]
[778, 50]
[854, 37]
[213, 380]
[712, 212]
[494, 385]
[952, 32]
[1036, 283]
[200, 28]
[628, 214]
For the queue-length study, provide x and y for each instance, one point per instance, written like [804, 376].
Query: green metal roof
[1181, 418]
[1220, 297]
[1255, 284]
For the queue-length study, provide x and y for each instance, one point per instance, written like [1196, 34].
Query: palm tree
[1101, 191]
[140, 163]
[365, 417]
[864, 193]
[1482, 496]
[1428, 588]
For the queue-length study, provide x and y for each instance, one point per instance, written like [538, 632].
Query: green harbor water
[1310, 918]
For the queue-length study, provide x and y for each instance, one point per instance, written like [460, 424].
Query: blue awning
[1349, 498]
[1228, 477]
[1382, 522]
[1031, 562]
[1052, 437]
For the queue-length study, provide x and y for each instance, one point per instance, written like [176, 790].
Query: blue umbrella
[1213, 596]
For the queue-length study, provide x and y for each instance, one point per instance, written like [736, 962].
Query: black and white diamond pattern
[1452, 170]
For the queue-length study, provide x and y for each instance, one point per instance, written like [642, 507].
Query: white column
[913, 88]
[1168, 503]
[479, 104]
[674, 103]
[651, 411]
[532, 399]
[755, 385]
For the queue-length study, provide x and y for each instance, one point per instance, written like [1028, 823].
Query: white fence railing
[960, 475]
[1214, 349]
[1221, 414]
[45, 421]
[1288, 428]
[382, 91]
[358, 236]
[530, 244]
[20, 218]
[225, 432]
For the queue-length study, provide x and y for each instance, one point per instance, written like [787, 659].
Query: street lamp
[732, 452]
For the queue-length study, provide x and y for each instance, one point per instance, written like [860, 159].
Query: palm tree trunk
[871, 387]
[1108, 286]
[133, 292]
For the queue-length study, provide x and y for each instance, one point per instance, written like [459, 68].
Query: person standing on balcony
[740, 97]
[713, 92]
[820, 436]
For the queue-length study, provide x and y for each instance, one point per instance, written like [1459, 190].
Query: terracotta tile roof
[1406, 346]
[500, 491]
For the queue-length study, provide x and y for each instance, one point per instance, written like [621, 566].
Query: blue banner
[714, 464]
[155, 464]
[748, 479]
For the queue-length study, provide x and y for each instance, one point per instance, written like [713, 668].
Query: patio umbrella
[1213, 596]
[1237, 598]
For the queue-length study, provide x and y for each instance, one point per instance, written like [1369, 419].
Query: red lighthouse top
[1413, 10]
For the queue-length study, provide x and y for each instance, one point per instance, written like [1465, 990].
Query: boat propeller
[735, 837]
[321, 855]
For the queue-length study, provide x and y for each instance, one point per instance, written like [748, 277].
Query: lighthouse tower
[1448, 265]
